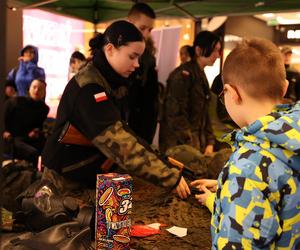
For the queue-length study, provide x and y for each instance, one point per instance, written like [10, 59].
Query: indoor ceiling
[97, 11]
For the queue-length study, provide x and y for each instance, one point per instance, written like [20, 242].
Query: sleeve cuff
[209, 203]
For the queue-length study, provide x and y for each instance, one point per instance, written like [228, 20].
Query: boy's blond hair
[256, 65]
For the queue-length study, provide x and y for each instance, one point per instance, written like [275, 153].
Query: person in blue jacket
[27, 70]
[256, 200]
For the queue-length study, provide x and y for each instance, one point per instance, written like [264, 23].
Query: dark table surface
[152, 204]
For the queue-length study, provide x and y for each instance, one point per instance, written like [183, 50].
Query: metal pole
[3, 10]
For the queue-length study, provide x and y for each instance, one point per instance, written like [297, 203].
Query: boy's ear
[285, 87]
[233, 93]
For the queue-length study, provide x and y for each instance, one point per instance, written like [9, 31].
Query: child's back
[257, 204]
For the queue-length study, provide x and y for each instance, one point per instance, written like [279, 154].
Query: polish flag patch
[100, 97]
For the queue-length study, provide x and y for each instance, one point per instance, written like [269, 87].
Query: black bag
[16, 177]
[42, 206]
[66, 236]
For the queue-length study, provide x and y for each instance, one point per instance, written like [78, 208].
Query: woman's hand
[183, 189]
[210, 184]
[209, 150]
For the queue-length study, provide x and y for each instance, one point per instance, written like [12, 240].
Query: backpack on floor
[16, 177]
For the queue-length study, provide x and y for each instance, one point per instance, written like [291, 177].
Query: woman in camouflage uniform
[185, 114]
[93, 103]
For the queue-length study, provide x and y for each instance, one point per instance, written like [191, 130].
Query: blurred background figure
[77, 61]
[292, 75]
[185, 112]
[23, 123]
[186, 53]
[27, 70]
[10, 89]
[144, 86]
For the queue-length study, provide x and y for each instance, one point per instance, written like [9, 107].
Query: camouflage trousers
[70, 188]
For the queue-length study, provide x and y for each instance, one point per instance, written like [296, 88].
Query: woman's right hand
[210, 184]
[183, 189]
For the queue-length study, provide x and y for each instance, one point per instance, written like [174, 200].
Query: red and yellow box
[114, 204]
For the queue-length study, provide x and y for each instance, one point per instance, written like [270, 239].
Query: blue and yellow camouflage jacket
[257, 203]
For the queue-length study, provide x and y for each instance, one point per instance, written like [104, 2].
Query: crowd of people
[112, 99]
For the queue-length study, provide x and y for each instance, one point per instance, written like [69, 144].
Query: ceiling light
[259, 4]
[186, 37]
[268, 15]
[285, 21]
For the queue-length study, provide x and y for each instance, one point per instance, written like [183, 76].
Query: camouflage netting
[151, 204]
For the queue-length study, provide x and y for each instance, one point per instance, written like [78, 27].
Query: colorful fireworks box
[114, 203]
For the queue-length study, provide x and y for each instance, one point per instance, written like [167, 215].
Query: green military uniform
[90, 103]
[185, 115]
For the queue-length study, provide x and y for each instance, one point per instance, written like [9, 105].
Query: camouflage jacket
[88, 103]
[257, 203]
[185, 114]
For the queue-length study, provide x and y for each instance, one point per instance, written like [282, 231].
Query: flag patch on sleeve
[100, 97]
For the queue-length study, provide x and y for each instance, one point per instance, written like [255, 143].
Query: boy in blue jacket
[27, 70]
[255, 202]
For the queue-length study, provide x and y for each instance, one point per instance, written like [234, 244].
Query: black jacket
[90, 103]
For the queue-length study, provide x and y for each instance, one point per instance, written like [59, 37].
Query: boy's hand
[203, 197]
[207, 183]
[183, 189]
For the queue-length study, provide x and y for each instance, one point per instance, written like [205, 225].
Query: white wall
[166, 41]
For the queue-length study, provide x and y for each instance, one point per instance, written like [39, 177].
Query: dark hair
[77, 55]
[207, 41]
[142, 8]
[27, 48]
[119, 33]
[190, 50]
[40, 80]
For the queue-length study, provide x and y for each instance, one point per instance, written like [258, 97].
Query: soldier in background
[77, 61]
[186, 53]
[144, 87]
[185, 113]
[292, 75]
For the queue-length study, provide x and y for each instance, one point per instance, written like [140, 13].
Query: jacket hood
[277, 133]
[36, 52]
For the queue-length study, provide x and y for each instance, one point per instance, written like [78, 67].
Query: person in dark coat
[292, 75]
[91, 103]
[23, 123]
[144, 87]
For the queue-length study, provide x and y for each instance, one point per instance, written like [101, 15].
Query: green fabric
[110, 10]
